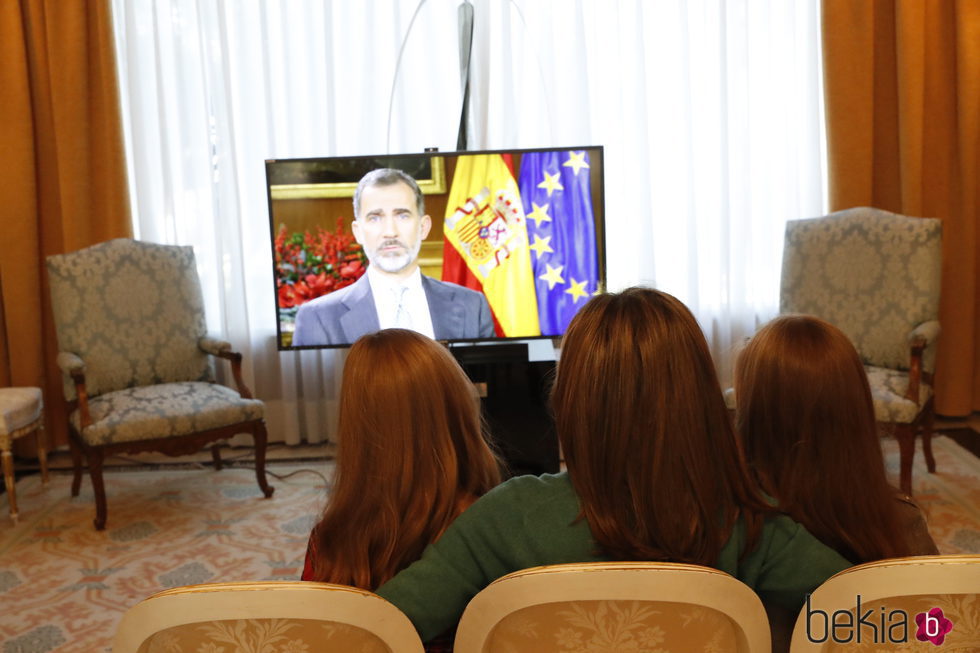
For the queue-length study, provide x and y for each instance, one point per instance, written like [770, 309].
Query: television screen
[462, 246]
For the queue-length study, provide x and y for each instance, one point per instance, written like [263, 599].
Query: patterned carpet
[950, 497]
[64, 586]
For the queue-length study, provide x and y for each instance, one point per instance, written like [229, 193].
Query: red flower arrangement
[309, 265]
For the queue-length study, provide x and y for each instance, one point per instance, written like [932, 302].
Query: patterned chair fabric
[272, 635]
[133, 312]
[876, 276]
[163, 411]
[19, 408]
[137, 361]
[895, 596]
[962, 610]
[615, 606]
[21, 413]
[888, 389]
[586, 626]
[267, 617]
[873, 274]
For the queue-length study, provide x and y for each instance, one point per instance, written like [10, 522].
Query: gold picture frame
[431, 183]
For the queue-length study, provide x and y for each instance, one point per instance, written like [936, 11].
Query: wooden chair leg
[10, 483]
[95, 458]
[42, 453]
[905, 435]
[927, 421]
[216, 457]
[261, 437]
[76, 459]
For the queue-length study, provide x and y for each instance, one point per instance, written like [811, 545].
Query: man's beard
[394, 263]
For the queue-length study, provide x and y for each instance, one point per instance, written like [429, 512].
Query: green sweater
[531, 520]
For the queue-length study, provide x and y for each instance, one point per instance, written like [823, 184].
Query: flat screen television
[509, 244]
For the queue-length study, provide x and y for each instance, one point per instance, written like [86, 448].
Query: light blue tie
[403, 319]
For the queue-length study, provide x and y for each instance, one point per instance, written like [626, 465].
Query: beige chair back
[893, 593]
[619, 606]
[265, 616]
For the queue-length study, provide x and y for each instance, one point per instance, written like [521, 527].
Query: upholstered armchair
[137, 363]
[875, 275]
[615, 606]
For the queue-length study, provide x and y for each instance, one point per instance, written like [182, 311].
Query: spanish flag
[485, 224]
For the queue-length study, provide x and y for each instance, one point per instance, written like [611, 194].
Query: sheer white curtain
[212, 89]
[709, 112]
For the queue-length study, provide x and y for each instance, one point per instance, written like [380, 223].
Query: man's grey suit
[345, 315]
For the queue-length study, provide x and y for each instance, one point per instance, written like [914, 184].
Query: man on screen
[390, 224]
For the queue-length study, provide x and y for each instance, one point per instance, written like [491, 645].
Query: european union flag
[558, 204]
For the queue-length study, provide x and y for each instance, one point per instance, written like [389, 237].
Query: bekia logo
[881, 627]
[933, 626]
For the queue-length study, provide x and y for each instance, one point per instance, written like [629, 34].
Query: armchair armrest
[72, 365]
[919, 339]
[222, 349]
[213, 346]
[926, 333]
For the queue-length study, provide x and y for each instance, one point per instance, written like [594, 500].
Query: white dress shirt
[415, 305]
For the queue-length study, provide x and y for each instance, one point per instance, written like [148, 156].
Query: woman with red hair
[412, 456]
[807, 425]
[654, 473]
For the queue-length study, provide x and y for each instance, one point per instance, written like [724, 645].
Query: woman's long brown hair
[412, 455]
[646, 436]
[806, 421]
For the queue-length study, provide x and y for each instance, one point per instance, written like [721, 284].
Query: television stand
[515, 404]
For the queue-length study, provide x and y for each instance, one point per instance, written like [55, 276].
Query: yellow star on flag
[539, 214]
[576, 161]
[551, 183]
[542, 245]
[553, 276]
[577, 289]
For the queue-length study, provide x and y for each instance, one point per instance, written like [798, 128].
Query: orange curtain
[902, 84]
[62, 173]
